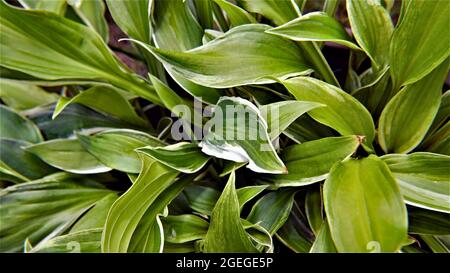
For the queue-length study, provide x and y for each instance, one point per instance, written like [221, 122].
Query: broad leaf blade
[343, 113]
[423, 23]
[315, 26]
[407, 117]
[57, 152]
[372, 27]
[217, 64]
[183, 156]
[43, 209]
[423, 179]
[126, 213]
[116, 148]
[15, 126]
[364, 206]
[310, 162]
[228, 139]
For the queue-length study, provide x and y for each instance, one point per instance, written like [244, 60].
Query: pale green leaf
[184, 228]
[92, 13]
[50, 47]
[226, 232]
[372, 28]
[407, 117]
[279, 115]
[43, 209]
[419, 43]
[84, 241]
[95, 217]
[21, 96]
[236, 15]
[364, 207]
[183, 156]
[175, 28]
[228, 139]
[15, 126]
[315, 26]
[323, 243]
[343, 113]
[310, 162]
[126, 213]
[279, 12]
[116, 147]
[68, 155]
[424, 179]
[57, 6]
[218, 64]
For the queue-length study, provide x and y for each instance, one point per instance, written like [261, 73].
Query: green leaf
[407, 117]
[202, 199]
[246, 194]
[15, 126]
[278, 11]
[439, 141]
[57, 152]
[228, 139]
[17, 165]
[57, 6]
[435, 244]
[236, 15]
[95, 217]
[50, 47]
[184, 228]
[116, 147]
[204, 13]
[443, 113]
[92, 13]
[226, 232]
[310, 162]
[43, 209]
[323, 243]
[422, 221]
[126, 213]
[364, 206]
[314, 209]
[423, 23]
[272, 210]
[279, 115]
[170, 99]
[217, 64]
[423, 179]
[75, 117]
[149, 235]
[184, 156]
[343, 113]
[315, 26]
[372, 28]
[21, 96]
[294, 233]
[106, 100]
[84, 241]
[132, 17]
[175, 28]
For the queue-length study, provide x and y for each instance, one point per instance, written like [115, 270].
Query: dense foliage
[111, 115]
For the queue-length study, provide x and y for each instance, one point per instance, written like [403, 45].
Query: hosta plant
[224, 126]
